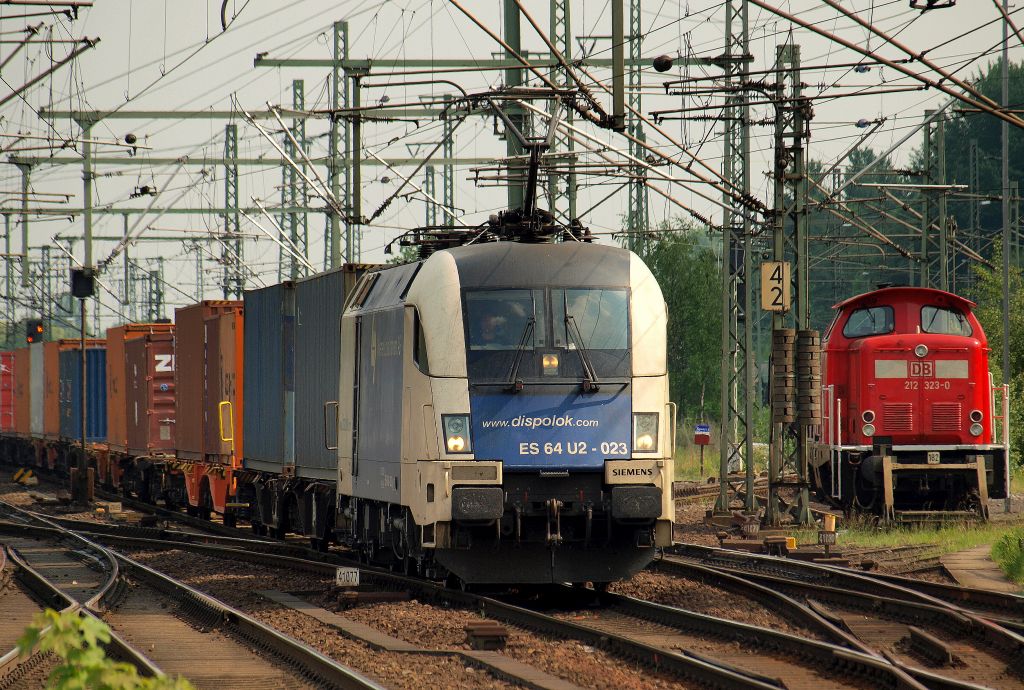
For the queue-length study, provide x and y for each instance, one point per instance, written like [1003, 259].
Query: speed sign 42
[775, 286]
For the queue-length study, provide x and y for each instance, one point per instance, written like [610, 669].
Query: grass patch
[945, 539]
[1017, 479]
[1008, 553]
[687, 461]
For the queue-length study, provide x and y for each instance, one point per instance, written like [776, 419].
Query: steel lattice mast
[737, 318]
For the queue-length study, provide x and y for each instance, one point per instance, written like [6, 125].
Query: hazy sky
[173, 55]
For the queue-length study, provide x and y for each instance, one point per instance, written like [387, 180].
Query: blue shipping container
[319, 302]
[269, 375]
[71, 394]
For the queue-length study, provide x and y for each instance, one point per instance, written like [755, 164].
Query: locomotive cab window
[944, 321]
[502, 319]
[534, 334]
[419, 350]
[598, 315]
[869, 321]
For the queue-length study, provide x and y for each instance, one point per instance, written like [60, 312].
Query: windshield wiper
[590, 382]
[513, 383]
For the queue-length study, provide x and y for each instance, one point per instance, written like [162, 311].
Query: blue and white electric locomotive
[505, 416]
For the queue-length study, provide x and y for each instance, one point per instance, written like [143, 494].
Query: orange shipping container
[22, 390]
[196, 401]
[51, 388]
[117, 377]
[224, 342]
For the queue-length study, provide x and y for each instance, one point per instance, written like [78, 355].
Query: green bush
[1009, 554]
[78, 642]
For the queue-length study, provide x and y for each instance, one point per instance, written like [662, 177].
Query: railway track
[17, 608]
[688, 644]
[906, 625]
[1007, 610]
[675, 629]
[691, 489]
[790, 660]
[158, 624]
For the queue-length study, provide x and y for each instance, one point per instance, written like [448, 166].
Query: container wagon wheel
[296, 523]
[284, 515]
[205, 506]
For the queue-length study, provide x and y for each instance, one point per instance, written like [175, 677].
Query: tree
[406, 255]
[844, 260]
[986, 130]
[690, 277]
[988, 293]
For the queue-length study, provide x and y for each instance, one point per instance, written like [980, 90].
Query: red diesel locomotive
[912, 426]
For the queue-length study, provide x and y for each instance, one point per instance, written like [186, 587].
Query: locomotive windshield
[944, 321]
[500, 319]
[869, 321]
[555, 322]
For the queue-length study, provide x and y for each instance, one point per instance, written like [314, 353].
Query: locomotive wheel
[865, 496]
[821, 477]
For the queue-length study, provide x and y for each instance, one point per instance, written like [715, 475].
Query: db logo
[922, 369]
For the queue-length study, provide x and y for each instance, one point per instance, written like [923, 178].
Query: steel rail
[316, 665]
[803, 614]
[857, 657]
[901, 675]
[295, 653]
[992, 605]
[847, 585]
[909, 589]
[855, 661]
[51, 595]
[693, 667]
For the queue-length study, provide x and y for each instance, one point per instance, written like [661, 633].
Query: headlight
[456, 433]
[645, 432]
[976, 415]
[549, 364]
[921, 350]
[976, 429]
[868, 430]
[868, 416]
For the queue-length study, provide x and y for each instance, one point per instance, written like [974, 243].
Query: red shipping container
[117, 381]
[22, 390]
[196, 407]
[150, 394]
[6, 392]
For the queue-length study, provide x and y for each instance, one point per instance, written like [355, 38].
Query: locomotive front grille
[947, 416]
[898, 416]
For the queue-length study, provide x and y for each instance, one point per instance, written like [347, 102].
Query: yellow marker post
[827, 535]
